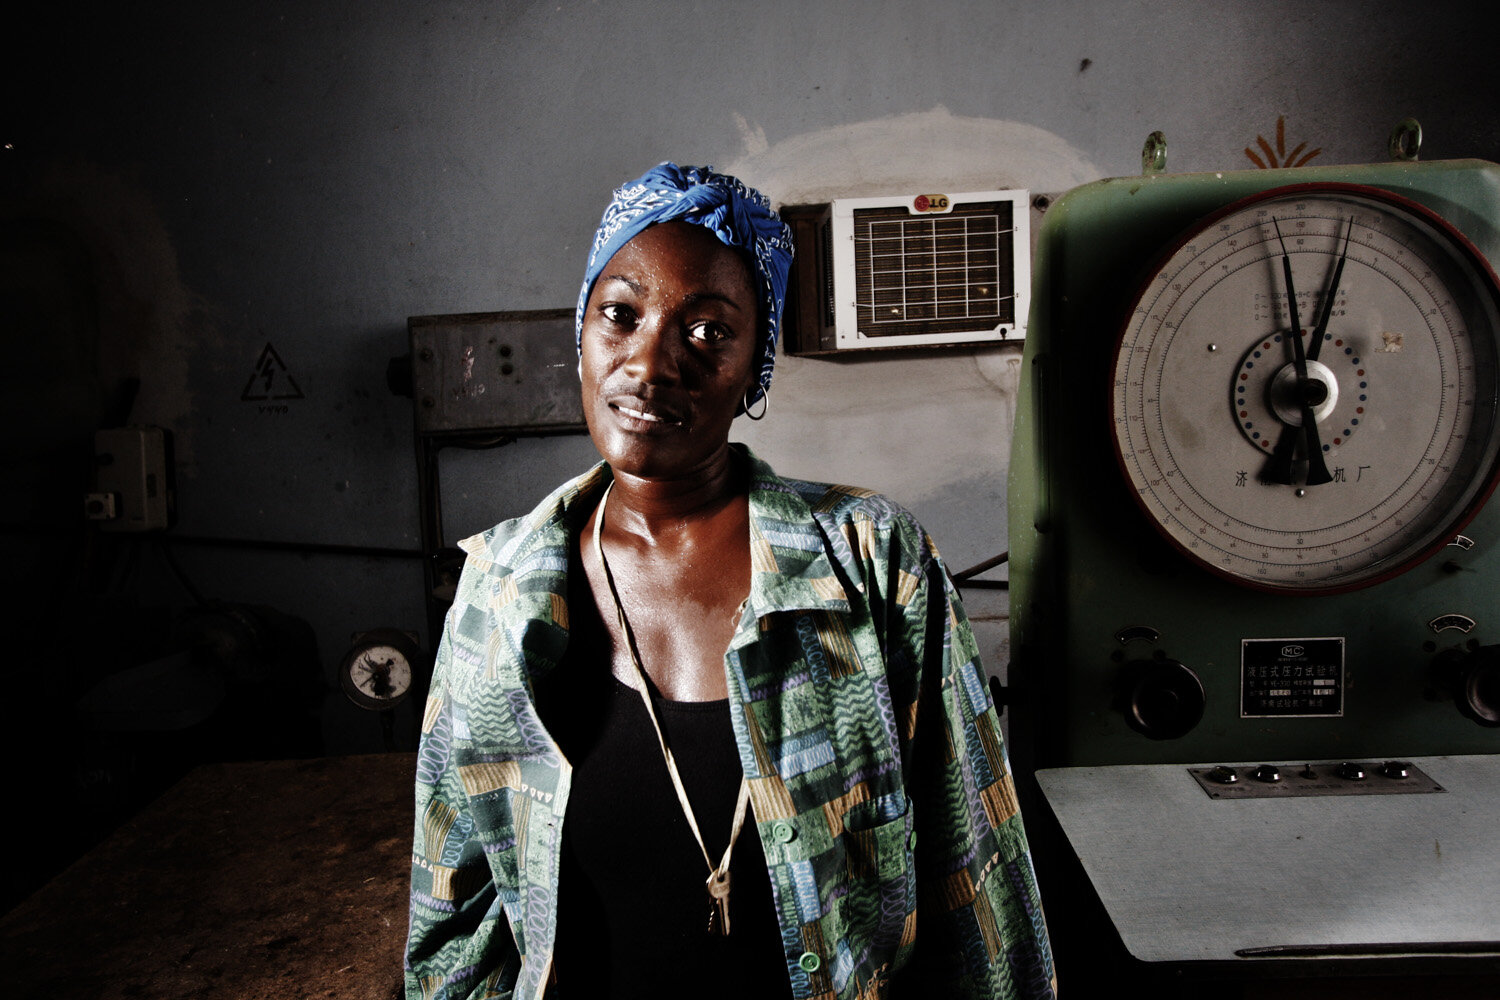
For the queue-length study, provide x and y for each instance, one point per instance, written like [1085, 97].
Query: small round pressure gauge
[1305, 393]
[376, 673]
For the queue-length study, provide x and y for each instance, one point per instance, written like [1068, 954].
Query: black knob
[1472, 679]
[1223, 774]
[1481, 687]
[1396, 769]
[1161, 699]
[1269, 773]
[1351, 771]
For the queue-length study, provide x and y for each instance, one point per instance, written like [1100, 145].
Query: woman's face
[669, 345]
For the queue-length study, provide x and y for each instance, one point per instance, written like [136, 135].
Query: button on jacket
[877, 776]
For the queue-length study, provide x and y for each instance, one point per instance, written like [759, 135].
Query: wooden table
[253, 880]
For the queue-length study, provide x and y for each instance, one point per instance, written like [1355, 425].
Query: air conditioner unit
[909, 271]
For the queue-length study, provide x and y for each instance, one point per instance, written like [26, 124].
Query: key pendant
[718, 893]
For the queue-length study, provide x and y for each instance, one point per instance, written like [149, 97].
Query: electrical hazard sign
[270, 380]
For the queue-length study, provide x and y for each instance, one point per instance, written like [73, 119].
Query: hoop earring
[765, 398]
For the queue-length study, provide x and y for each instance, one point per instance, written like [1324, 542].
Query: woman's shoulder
[545, 526]
[831, 504]
[850, 525]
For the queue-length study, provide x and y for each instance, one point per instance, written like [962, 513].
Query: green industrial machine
[1189, 582]
[1255, 582]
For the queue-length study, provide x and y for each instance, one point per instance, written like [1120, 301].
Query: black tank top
[632, 907]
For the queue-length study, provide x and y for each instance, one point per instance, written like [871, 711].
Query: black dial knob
[1350, 771]
[1269, 773]
[1472, 678]
[1481, 687]
[1161, 699]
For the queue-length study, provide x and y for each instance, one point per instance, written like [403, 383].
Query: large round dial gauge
[1305, 393]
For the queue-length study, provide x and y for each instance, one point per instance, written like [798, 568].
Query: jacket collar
[790, 568]
[789, 546]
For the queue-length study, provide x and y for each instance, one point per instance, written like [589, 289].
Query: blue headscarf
[739, 216]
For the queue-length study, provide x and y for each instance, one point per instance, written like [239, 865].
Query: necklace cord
[642, 687]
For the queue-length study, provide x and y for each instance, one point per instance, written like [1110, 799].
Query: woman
[695, 729]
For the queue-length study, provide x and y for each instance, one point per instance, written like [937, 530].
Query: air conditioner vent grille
[934, 274]
[913, 270]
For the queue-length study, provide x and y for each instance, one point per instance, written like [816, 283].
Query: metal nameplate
[1252, 781]
[1292, 678]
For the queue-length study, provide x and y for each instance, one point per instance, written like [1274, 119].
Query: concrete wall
[308, 175]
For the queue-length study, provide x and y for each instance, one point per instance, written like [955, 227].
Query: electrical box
[506, 371]
[131, 486]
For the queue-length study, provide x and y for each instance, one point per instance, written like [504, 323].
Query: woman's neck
[650, 507]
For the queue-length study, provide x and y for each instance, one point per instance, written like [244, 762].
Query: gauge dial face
[1325, 459]
[377, 676]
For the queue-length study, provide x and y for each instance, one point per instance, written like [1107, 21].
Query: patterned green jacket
[878, 780]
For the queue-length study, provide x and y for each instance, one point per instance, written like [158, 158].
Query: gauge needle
[1280, 470]
[1281, 465]
[1325, 308]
